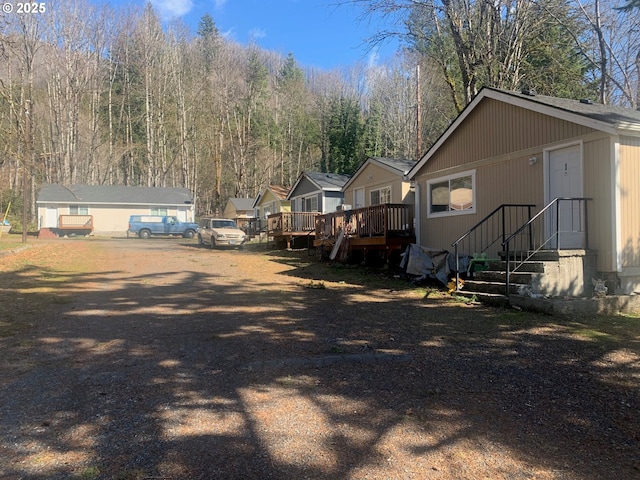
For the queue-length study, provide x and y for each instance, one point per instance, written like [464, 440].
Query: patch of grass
[9, 245]
[608, 328]
[88, 473]
[135, 474]
[594, 335]
[463, 299]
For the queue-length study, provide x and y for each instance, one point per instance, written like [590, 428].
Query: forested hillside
[89, 95]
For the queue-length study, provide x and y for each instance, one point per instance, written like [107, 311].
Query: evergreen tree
[345, 135]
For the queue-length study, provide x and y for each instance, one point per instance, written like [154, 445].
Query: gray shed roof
[596, 111]
[327, 181]
[402, 165]
[242, 203]
[331, 182]
[111, 194]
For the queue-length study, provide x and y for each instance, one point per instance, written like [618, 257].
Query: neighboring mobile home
[110, 206]
[509, 148]
[272, 199]
[379, 180]
[378, 214]
[312, 194]
[317, 192]
[239, 208]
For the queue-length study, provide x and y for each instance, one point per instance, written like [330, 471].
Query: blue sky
[317, 32]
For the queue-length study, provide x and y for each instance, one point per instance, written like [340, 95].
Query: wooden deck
[76, 223]
[284, 227]
[381, 227]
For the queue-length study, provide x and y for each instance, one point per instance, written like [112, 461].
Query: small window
[159, 211]
[380, 196]
[452, 195]
[78, 210]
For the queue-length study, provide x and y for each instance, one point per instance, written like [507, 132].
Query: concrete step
[530, 267]
[501, 276]
[498, 288]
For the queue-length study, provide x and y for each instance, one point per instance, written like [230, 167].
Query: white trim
[452, 213]
[616, 214]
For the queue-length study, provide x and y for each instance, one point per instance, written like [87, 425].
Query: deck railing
[75, 222]
[283, 223]
[376, 221]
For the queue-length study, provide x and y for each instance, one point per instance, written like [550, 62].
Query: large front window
[452, 195]
[380, 196]
[311, 204]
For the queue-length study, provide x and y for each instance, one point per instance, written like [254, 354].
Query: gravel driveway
[157, 359]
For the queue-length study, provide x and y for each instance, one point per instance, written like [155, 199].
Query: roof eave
[521, 102]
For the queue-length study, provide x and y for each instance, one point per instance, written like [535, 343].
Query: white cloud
[257, 33]
[219, 3]
[373, 58]
[170, 9]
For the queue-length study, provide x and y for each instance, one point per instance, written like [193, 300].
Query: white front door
[51, 217]
[564, 180]
[358, 198]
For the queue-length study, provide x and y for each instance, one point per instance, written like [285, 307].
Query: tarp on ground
[425, 262]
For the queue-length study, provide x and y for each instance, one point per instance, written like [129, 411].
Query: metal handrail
[506, 244]
[481, 223]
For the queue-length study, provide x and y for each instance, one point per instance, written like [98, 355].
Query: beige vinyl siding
[270, 199]
[598, 186]
[496, 141]
[630, 202]
[380, 178]
[511, 179]
[108, 219]
[507, 181]
[495, 128]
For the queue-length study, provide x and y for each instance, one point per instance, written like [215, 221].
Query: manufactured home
[520, 172]
[107, 208]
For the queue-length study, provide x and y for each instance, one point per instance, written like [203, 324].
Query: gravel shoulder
[132, 359]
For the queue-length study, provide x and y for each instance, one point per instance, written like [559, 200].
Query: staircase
[548, 273]
[540, 264]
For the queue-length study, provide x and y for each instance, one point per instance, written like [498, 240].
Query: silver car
[217, 232]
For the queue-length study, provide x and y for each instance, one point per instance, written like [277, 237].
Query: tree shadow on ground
[185, 373]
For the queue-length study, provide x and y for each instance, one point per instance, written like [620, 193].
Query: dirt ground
[159, 359]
